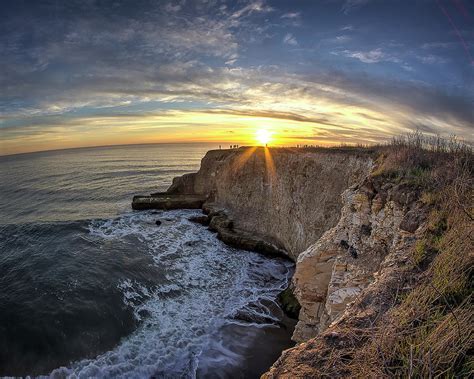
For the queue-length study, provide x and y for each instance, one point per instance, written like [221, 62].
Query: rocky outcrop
[168, 201]
[288, 202]
[333, 272]
[219, 221]
[355, 294]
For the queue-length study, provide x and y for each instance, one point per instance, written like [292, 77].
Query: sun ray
[244, 157]
[269, 165]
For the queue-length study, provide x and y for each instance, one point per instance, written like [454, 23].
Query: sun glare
[263, 136]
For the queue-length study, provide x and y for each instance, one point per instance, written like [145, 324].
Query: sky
[95, 72]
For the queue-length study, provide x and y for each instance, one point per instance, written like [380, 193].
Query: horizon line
[115, 145]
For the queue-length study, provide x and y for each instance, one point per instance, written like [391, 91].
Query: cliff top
[352, 150]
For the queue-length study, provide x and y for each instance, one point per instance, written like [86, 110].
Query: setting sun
[263, 136]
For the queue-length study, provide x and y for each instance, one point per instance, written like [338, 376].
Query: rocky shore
[348, 230]
[274, 201]
[166, 201]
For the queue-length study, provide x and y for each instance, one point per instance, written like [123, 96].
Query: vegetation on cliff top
[430, 330]
[420, 322]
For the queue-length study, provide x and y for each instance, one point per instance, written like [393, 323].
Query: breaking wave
[199, 317]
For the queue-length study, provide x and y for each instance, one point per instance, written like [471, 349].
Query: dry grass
[421, 322]
[430, 332]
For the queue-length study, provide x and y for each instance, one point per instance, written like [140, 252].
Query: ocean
[90, 288]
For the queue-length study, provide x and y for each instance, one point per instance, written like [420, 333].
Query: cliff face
[288, 197]
[376, 220]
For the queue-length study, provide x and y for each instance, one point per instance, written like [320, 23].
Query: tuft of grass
[429, 198]
[437, 222]
[419, 253]
[424, 161]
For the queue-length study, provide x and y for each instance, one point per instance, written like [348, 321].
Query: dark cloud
[275, 115]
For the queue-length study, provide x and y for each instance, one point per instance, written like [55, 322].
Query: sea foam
[185, 324]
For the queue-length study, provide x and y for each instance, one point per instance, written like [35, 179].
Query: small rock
[158, 222]
[412, 220]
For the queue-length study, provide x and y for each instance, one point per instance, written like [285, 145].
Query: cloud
[338, 39]
[90, 52]
[153, 35]
[431, 59]
[289, 39]
[273, 115]
[194, 60]
[350, 5]
[173, 7]
[372, 56]
[331, 100]
[253, 7]
[291, 15]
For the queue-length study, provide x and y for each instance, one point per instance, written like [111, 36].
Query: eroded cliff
[377, 219]
[290, 197]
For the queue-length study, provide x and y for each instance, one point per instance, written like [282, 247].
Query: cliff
[321, 207]
[282, 195]
[388, 291]
[366, 228]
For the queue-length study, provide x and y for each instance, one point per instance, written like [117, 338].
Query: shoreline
[357, 222]
[217, 220]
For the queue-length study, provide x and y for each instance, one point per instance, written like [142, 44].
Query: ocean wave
[183, 322]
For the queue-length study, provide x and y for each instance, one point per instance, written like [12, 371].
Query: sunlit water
[89, 288]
